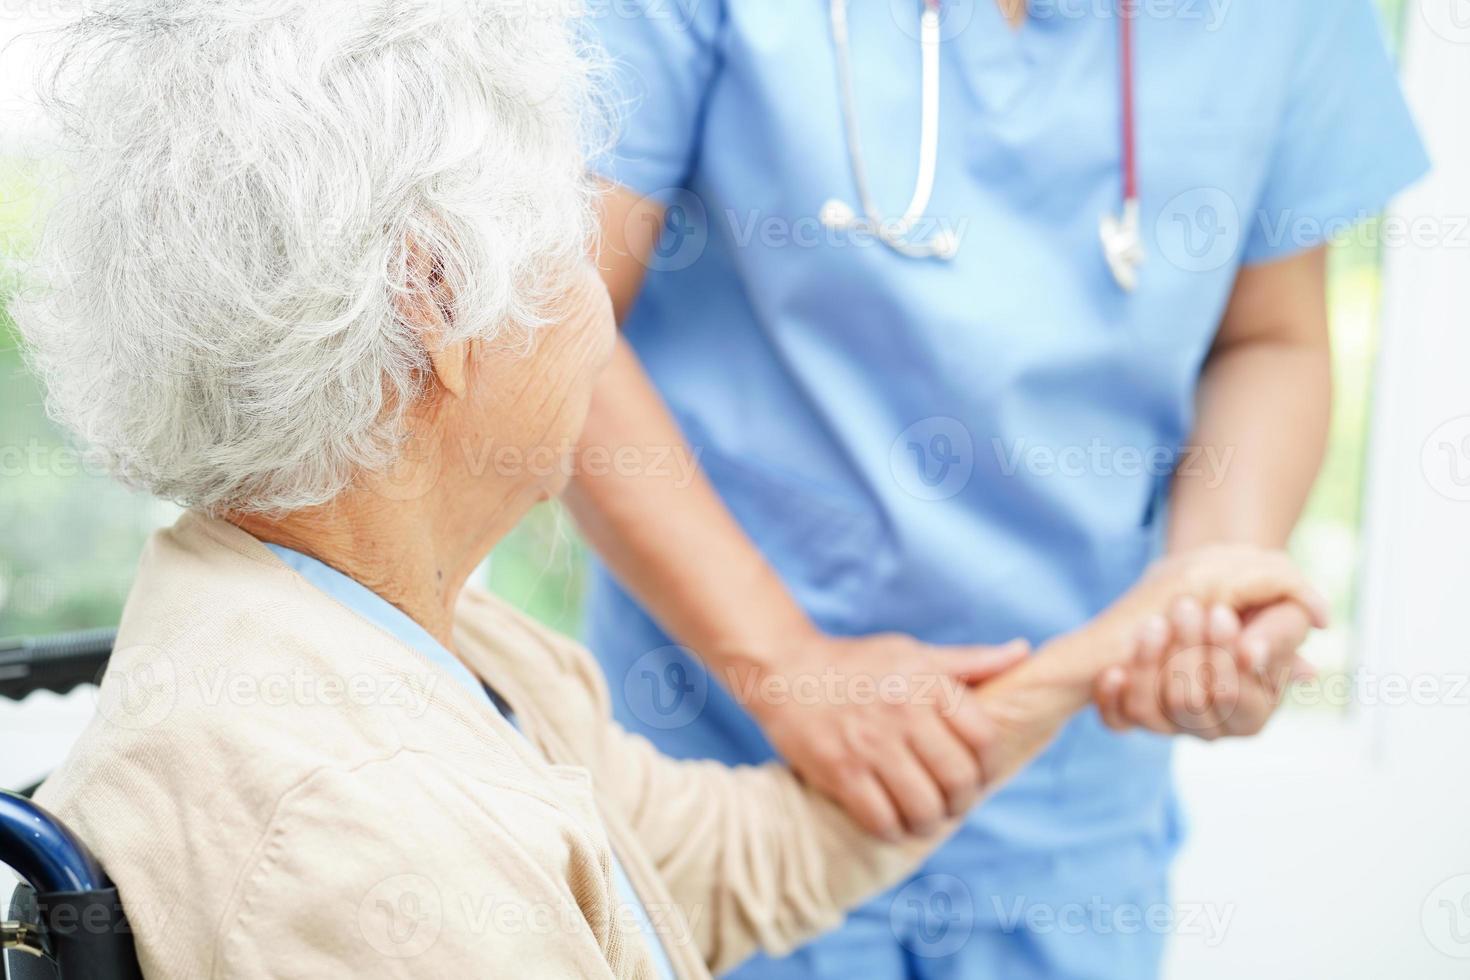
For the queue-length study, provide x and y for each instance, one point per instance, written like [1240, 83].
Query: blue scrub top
[980, 449]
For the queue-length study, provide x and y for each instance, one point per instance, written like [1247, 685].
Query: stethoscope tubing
[1123, 256]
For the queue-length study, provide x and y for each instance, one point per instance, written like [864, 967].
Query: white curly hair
[212, 306]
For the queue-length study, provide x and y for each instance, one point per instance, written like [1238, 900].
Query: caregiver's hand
[881, 724]
[1026, 707]
[1237, 577]
[1208, 673]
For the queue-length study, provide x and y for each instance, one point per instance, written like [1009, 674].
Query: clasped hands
[1203, 645]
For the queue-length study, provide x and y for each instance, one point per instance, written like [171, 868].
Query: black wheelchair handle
[75, 911]
[53, 663]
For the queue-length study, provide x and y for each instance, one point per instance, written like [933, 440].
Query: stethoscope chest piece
[1123, 245]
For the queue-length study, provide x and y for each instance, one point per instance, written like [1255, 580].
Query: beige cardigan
[281, 789]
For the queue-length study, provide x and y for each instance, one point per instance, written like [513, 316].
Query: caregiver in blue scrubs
[907, 453]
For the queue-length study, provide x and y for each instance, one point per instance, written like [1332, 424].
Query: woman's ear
[426, 305]
[450, 366]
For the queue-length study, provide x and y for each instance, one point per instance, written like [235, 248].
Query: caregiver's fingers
[1200, 685]
[1274, 634]
[1302, 669]
[976, 664]
[1141, 699]
[1229, 689]
[868, 803]
[920, 805]
[972, 724]
[1189, 691]
[1254, 705]
[1188, 619]
[1222, 626]
[950, 763]
[1108, 692]
[1247, 577]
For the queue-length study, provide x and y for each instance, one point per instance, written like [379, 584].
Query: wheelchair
[66, 921]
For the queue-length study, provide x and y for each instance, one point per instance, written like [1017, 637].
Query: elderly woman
[319, 276]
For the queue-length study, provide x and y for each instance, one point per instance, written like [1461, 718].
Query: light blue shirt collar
[375, 609]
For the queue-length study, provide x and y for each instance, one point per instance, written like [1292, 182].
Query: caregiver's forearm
[1264, 403]
[661, 527]
[668, 537]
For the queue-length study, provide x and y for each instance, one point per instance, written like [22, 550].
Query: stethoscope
[1121, 243]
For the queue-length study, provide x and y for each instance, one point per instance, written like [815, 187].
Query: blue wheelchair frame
[66, 921]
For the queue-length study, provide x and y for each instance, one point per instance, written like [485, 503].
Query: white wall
[1342, 849]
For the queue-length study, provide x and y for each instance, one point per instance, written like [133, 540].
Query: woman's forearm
[1028, 705]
